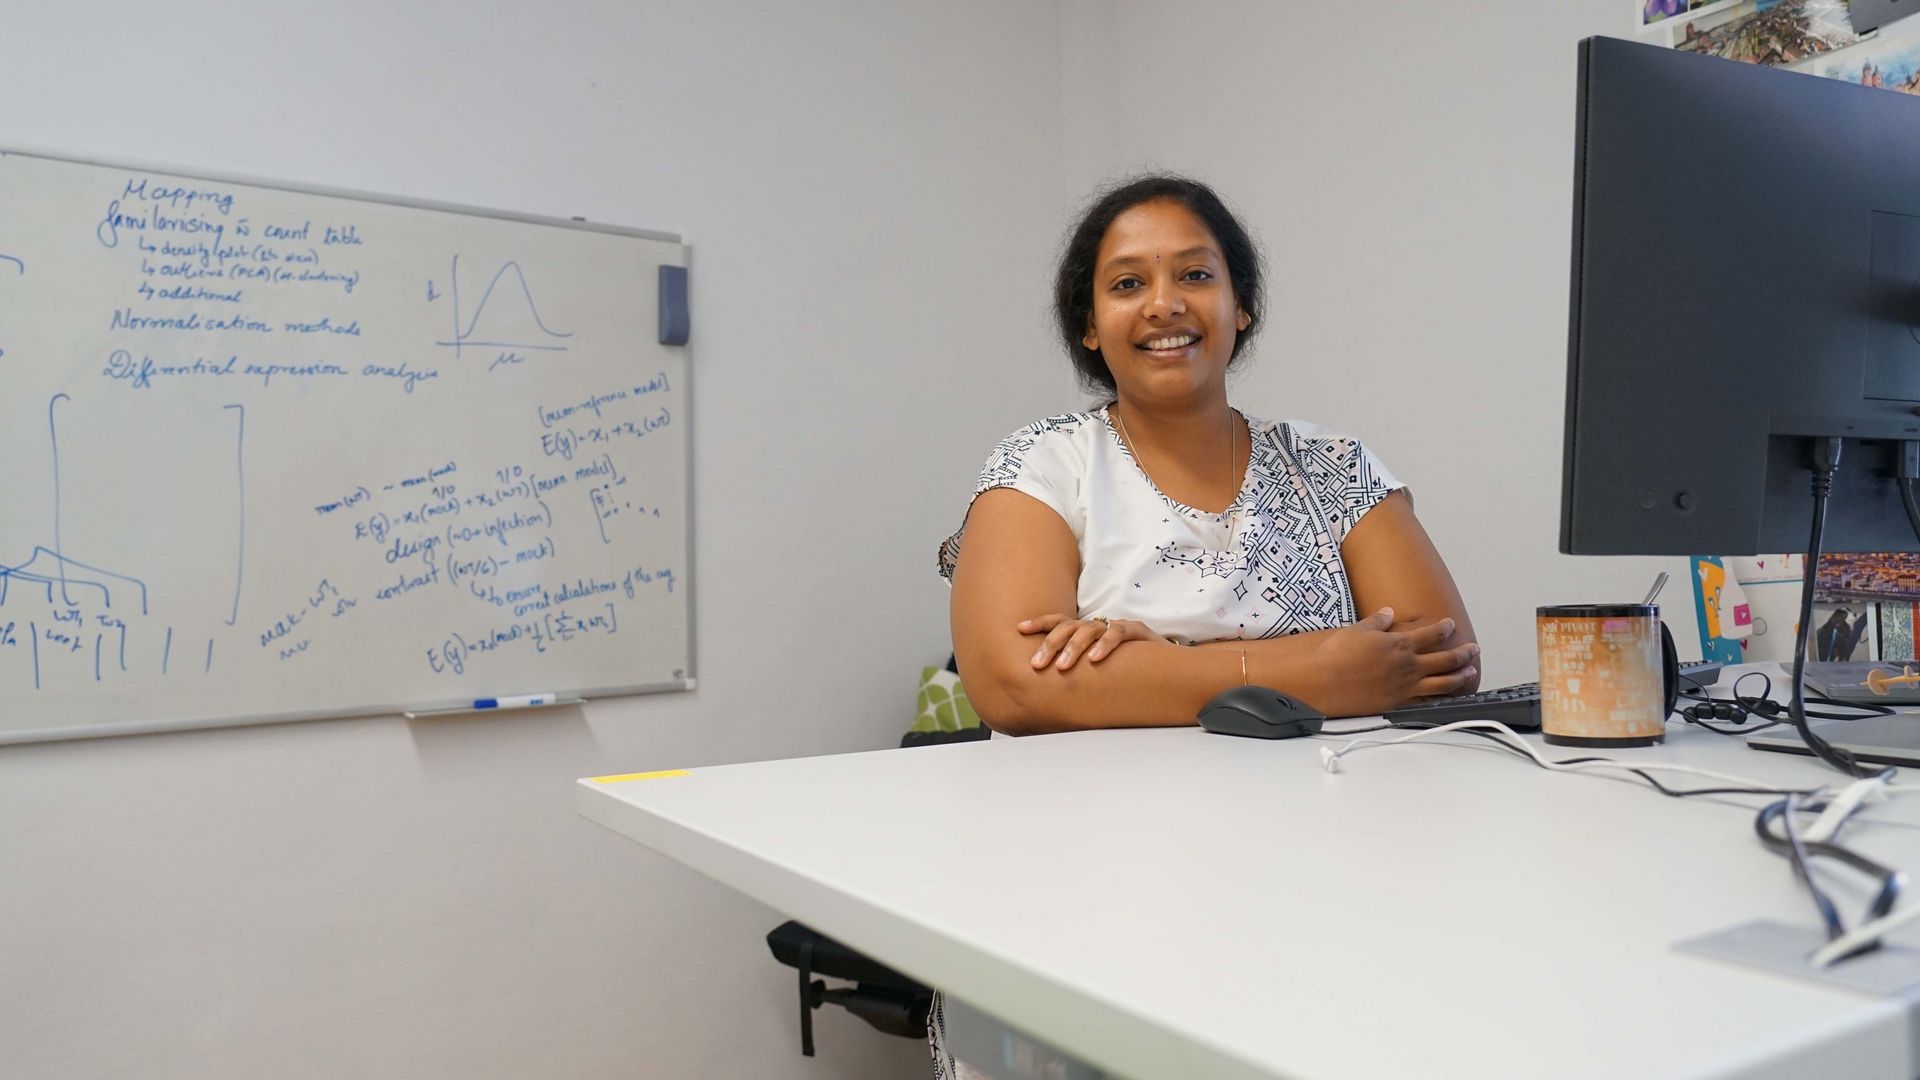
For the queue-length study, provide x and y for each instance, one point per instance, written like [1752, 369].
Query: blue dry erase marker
[519, 702]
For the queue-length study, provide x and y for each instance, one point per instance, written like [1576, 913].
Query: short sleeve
[1042, 460]
[1362, 481]
[1346, 478]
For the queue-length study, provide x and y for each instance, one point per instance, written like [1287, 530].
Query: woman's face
[1164, 314]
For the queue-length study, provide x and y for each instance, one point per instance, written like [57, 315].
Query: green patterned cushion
[943, 703]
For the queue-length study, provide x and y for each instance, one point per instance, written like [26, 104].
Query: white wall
[1409, 168]
[871, 191]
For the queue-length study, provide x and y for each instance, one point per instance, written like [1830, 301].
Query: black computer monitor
[1746, 279]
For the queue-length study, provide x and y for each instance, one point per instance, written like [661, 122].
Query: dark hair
[1073, 281]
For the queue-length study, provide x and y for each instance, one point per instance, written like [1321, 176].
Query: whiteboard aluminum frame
[150, 727]
[328, 191]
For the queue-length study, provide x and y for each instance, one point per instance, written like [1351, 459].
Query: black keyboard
[1516, 706]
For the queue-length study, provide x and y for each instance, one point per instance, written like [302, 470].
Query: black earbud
[1717, 710]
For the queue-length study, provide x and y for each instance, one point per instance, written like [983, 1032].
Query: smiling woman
[1122, 566]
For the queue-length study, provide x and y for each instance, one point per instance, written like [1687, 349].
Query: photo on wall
[1847, 575]
[1694, 37]
[1896, 631]
[1889, 61]
[1772, 32]
[1844, 632]
[1653, 11]
[1865, 604]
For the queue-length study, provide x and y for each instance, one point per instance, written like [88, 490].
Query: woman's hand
[1071, 638]
[1366, 668]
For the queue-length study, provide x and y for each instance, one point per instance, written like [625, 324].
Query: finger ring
[1103, 620]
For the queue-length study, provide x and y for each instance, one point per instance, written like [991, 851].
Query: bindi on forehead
[1198, 253]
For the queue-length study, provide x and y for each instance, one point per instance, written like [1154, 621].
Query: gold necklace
[1231, 513]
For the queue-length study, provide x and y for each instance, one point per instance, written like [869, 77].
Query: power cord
[1909, 474]
[1826, 462]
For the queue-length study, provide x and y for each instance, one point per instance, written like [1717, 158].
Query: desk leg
[992, 1050]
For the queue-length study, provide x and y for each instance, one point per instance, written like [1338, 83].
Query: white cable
[1863, 934]
[1842, 806]
[1329, 757]
[1839, 808]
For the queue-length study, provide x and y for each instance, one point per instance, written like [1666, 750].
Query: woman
[1119, 568]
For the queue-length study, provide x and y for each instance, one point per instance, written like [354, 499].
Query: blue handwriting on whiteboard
[240, 481]
[550, 629]
[404, 373]
[189, 292]
[144, 206]
[564, 442]
[594, 403]
[323, 325]
[128, 319]
[140, 374]
[59, 571]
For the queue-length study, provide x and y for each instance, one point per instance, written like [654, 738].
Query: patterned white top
[1144, 556]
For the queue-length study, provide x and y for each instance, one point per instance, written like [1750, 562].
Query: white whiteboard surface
[279, 454]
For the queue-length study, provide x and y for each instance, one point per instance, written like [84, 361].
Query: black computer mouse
[1260, 713]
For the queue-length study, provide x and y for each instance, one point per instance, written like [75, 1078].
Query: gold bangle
[1243, 667]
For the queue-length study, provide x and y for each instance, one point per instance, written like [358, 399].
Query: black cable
[1798, 852]
[1742, 707]
[1905, 475]
[1734, 733]
[1913, 508]
[1826, 461]
[1766, 692]
[1797, 855]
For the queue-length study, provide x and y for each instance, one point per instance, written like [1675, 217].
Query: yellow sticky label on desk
[624, 777]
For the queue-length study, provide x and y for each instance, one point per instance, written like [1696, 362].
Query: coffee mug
[1607, 674]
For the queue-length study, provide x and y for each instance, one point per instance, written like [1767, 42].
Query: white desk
[1177, 904]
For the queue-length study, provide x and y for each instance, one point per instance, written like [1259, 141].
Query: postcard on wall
[1717, 24]
[1773, 32]
[1848, 575]
[1654, 11]
[1889, 60]
[1844, 632]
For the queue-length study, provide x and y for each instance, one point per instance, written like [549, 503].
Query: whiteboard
[278, 453]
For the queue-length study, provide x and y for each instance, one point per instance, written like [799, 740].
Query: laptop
[1846, 680]
[1873, 14]
[1884, 740]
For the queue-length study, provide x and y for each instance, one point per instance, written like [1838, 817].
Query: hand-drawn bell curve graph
[509, 322]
